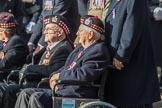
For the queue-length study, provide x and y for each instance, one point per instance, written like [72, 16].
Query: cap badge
[54, 19]
[87, 21]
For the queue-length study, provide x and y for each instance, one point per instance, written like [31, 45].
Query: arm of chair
[4, 73]
[12, 75]
[43, 80]
[75, 83]
[31, 77]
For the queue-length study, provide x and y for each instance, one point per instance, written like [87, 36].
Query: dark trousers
[9, 95]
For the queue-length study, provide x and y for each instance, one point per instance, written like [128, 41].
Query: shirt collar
[53, 45]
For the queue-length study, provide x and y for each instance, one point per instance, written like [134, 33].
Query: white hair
[97, 34]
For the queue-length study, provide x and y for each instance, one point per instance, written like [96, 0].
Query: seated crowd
[118, 37]
[86, 62]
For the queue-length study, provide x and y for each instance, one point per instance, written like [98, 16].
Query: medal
[45, 62]
[97, 4]
[48, 55]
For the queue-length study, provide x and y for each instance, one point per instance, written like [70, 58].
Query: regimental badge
[54, 19]
[88, 21]
[45, 62]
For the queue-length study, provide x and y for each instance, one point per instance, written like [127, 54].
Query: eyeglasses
[50, 30]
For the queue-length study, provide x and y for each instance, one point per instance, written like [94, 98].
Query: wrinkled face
[83, 35]
[51, 33]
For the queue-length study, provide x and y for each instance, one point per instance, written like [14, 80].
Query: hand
[30, 27]
[37, 50]
[31, 48]
[157, 13]
[118, 64]
[53, 81]
[52, 84]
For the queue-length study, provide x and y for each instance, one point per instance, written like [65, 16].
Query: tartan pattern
[6, 25]
[94, 26]
[60, 23]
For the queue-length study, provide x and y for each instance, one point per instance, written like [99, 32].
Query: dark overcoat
[127, 33]
[15, 52]
[156, 32]
[88, 66]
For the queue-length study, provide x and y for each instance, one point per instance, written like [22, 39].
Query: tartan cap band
[7, 20]
[59, 20]
[93, 22]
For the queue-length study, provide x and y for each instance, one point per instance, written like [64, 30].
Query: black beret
[59, 20]
[93, 22]
[7, 20]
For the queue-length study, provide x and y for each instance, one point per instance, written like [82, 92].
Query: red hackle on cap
[96, 17]
[4, 16]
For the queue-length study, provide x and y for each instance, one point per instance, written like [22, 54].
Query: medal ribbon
[75, 60]
[97, 4]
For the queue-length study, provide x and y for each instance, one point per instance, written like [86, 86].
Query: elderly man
[66, 8]
[86, 63]
[13, 49]
[56, 31]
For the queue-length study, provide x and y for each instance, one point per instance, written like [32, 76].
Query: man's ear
[60, 32]
[5, 32]
[91, 35]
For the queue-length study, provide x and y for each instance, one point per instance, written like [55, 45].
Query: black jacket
[58, 56]
[15, 53]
